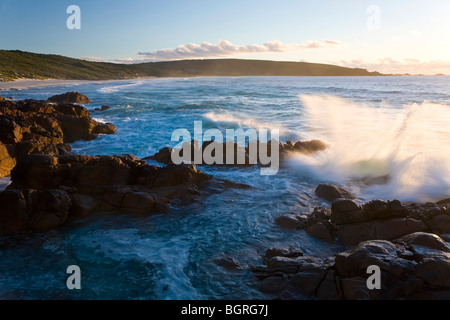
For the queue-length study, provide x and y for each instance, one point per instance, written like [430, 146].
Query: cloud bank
[400, 66]
[225, 48]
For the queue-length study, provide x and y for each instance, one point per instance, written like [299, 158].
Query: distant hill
[19, 64]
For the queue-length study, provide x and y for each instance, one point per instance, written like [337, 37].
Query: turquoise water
[394, 126]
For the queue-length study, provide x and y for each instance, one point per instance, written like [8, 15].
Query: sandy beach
[30, 83]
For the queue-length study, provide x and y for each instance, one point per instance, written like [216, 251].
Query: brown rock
[321, 231]
[330, 192]
[282, 252]
[14, 212]
[309, 147]
[70, 97]
[435, 270]
[7, 162]
[355, 288]
[328, 289]
[291, 221]
[378, 230]
[104, 128]
[83, 205]
[345, 211]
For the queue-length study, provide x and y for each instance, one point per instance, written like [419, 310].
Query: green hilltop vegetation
[19, 64]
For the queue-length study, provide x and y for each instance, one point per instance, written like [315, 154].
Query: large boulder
[38, 127]
[70, 97]
[345, 211]
[389, 229]
[331, 192]
[352, 223]
[33, 210]
[82, 185]
[249, 158]
[308, 147]
[411, 267]
[7, 162]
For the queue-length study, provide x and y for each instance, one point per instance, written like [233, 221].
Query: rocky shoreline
[51, 185]
[406, 241]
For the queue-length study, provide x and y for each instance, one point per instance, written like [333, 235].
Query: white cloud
[95, 59]
[225, 48]
[125, 60]
[409, 65]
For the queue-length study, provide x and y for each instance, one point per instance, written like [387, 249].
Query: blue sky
[412, 35]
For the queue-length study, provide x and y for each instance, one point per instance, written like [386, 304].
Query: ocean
[387, 136]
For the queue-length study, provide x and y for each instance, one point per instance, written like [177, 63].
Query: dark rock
[435, 270]
[417, 265]
[444, 201]
[210, 147]
[330, 192]
[104, 108]
[14, 213]
[104, 128]
[7, 162]
[355, 288]
[282, 252]
[33, 210]
[440, 223]
[294, 265]
[70, 97]
[83, 185]
[308, 147]
[346, 211]
[50, 209]
[83, 205]
[228, 263]
[164, 156]
[321, 230]
[328, 289]
[424, 239]
[290, 221]
[380, 229]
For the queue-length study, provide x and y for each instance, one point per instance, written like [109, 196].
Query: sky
[387, 36]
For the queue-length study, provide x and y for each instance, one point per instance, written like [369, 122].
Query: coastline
[21, 84]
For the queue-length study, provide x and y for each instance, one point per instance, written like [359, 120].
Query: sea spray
[409, 146]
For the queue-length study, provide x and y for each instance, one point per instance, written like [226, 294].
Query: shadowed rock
[414, 266]
[70, 97]
[79, 186]
[330, 192]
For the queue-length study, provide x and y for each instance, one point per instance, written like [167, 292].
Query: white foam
[171, 254]
[241, 121]
[4, 182]
[410, 145]
[116, 88]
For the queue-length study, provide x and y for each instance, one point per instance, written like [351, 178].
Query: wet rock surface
[40, 127]
[411, 267]
[248, 156]
[83, 185]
